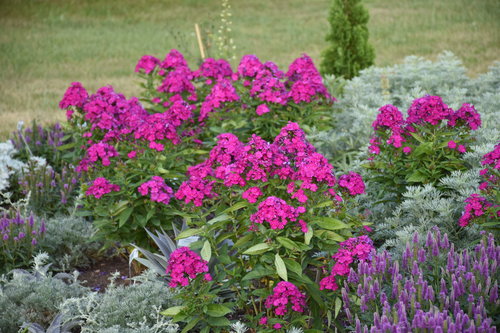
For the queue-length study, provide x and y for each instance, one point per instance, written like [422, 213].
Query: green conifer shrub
[349, 50]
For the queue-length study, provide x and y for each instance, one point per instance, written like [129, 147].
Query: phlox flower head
[75, 95]
[492, 158]
[305, 81]
[147, 64]
[476, 205]
[101, 186]
[184, 265]
[222, 92]
[252, 194]
[174, 59]
[286, 296]
[276, 212]
[467, 115]
[428, 109]
[353, 182]
[388, 116]
[215, 69]
[158, 190]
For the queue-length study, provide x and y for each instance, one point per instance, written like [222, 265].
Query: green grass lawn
[47, 44]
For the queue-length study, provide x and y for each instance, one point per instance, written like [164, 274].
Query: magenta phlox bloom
[476, 205]
[492, 158]
[75, 95]
[353, 182]
[276, 212]
[222, 92]
[286, 296]
[215, 69]
[430, 109]
[185, 264]
[174, 59]
[100, 187]
[147, 63]
[468, 115]
[158, 190]
[252, 194]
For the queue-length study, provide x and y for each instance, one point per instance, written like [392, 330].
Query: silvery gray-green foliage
[357, 108]
[68, 242]
[33, 296]
[135, 307]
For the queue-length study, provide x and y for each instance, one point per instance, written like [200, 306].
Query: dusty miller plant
[122, 309]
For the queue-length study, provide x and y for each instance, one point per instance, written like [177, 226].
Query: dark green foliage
[349, 50]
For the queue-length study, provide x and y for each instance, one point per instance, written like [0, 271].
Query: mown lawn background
[47, 44]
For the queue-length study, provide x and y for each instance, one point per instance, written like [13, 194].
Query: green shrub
[349, 50]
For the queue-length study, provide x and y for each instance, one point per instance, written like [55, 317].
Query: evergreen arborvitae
[349, 50]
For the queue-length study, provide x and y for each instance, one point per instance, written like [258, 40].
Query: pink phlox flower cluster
[197, 187]
[262, 109]
[185, 264]
[430, 109]
[353, 182]
[356, 248]
[492, 158]
[374, 147]
[75, 95]
[161, 126]
[276, 212]
[178, 81]
[286, 296]
[102, 151]
[100, 187]
[289, 157]
[267, 84]
[249, 66]
[147, 63]
[174, 59]
[466, 114]
[252, 194]
[113, 113]
[389, 117]
[476, 206]
[158, 190]
[222, 92]
[215, 69]
[305, 81]
[292, 141]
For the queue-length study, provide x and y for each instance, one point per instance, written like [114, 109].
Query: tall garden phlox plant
[262, 210]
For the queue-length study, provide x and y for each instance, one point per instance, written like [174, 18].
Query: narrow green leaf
[173, 310]
[206, 251]
[190, 325]
[330, 223]
[258, 249]
[293, 266]
[257, 273]
[217, 310]
[338, 304]
[188, 233]
[124, 216]
[288, 243]
[280, 267]
[236, 206]
[222, 217]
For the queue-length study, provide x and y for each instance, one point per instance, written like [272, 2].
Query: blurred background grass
[47, 44]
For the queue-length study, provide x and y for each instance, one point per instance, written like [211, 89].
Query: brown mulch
[97, 275]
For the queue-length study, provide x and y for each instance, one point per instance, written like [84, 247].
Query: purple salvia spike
[363, 305]
[32, 220]
[345, 298]
[445, 243]
[358, 325]
[348, 314]
[428, 242]
[415, 238]
[421, 255]
[494, 293]
[376, 320]
[435, 249]
[451, 262]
